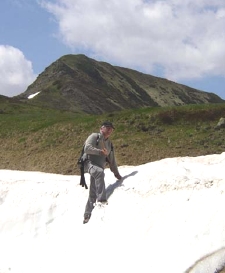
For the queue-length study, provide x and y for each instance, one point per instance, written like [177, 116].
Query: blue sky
[182, 41]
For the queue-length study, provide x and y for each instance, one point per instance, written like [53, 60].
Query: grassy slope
[47, 140]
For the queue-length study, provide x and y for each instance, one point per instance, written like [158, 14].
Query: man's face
[106, 131]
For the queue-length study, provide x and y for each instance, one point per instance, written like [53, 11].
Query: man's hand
[104, 152]
[118, 176]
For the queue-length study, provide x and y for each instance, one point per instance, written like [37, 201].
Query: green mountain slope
[80, 84]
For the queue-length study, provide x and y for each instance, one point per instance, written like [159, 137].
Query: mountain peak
[79, 83]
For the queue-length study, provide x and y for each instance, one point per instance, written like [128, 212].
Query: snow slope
[163, 216]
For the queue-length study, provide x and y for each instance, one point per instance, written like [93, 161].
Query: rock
[220, 124]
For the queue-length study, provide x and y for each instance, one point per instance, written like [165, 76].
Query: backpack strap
[97, 139]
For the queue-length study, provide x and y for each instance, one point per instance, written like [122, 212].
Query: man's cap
[108, 124]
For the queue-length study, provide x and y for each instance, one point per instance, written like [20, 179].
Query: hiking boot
[86, 219]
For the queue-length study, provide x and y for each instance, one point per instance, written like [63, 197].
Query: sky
[182, 41]
[163, 216]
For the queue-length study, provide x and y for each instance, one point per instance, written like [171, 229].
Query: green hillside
[41, 139]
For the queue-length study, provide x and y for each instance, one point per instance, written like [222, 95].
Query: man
[98, 150]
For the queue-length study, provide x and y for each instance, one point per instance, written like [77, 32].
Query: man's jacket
[92, 149]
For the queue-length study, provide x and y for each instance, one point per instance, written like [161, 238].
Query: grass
[39, 139]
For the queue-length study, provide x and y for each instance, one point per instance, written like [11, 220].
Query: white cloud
[16, 71]
[186, 39]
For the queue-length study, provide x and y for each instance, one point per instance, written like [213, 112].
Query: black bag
[80, 163]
